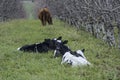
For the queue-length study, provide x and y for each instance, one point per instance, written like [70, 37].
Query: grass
[17, 65]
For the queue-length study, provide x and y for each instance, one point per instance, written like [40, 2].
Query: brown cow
[45, 16]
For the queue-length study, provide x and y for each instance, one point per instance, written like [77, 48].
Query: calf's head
[52, 42]
[61, 48]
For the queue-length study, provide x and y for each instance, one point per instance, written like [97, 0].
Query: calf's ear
[65, 42]
[59, 38]
[83, 50]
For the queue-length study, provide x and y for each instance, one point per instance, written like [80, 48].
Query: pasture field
[17, 65]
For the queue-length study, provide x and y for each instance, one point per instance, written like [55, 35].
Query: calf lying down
[77, 59]
[37, 47]
[74, 58]
[47, 44]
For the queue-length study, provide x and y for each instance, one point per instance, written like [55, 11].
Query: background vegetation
[11, 9]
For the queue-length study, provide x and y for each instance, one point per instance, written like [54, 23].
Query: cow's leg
[43, 21]
[50, 20]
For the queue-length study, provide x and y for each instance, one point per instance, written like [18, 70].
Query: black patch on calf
[83, 50]
[41, 47]
[63, 57]
[76, 54]
[70, 62]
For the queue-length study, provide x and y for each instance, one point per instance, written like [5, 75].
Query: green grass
[17, 65]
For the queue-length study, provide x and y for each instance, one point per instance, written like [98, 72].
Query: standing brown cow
[45, 16]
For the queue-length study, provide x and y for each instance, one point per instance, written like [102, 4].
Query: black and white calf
[71, 58]
[75, 58]
[47, 44]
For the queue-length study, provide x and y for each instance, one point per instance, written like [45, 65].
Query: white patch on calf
[59, 41]
[54, 39]
[54, 53]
